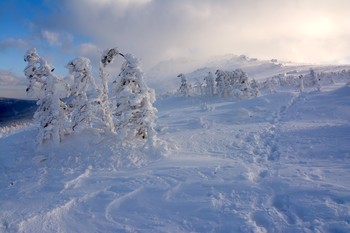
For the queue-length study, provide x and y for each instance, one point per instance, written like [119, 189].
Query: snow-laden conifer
[315, 80]
[133, 113]
[33, 71]
[102, 103]
[209, 84]
[184, 88]
[223, 83]
[254, 89]
[301, 83]
[235, 84]
[240, 84]
[82, 112]
[50, 114]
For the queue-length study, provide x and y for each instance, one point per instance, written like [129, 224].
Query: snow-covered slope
[276, 163]
[163, 76]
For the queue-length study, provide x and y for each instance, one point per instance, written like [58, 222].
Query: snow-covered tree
[184, 89]
[82, 112]
[316, 81]
[240, 84]
[223, 84]
[133, 113]
[50, 114]
[198, 88]
[102, 103]
[270, 84]
[209, 84]
[254, 88]
[33, 71]
[301, 83]
[236, 84]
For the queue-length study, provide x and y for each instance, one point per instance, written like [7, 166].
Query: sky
[316, 31]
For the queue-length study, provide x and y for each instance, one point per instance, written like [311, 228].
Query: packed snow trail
[277, 163]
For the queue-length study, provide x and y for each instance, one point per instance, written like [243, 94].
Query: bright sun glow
[318, 27]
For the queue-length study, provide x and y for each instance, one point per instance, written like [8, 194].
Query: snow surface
[276, 163]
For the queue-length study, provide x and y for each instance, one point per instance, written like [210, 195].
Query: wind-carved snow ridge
[117, 202]
[52, 221]
[6, 131]
[75, 182]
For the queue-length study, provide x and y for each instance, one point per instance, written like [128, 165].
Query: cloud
[11, 43]
[7, 78]
[62, 40]
[12, 86]
[88, 49]
[51, 37]
[315, 30]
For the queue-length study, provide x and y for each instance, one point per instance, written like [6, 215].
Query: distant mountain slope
[163, 76]
[13, 110]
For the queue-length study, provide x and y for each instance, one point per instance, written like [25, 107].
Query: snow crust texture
[275, 163]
